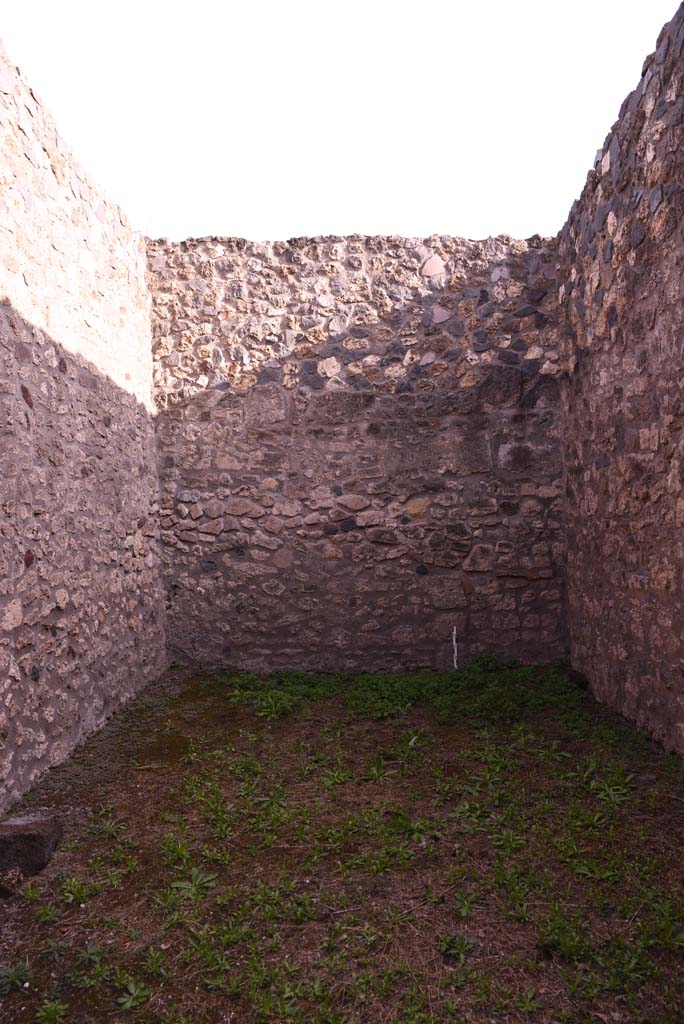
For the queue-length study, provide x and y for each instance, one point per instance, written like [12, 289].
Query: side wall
[622, 292]
[358, 447]
[81, 605]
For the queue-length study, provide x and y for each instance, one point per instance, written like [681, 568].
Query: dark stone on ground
[28, 842]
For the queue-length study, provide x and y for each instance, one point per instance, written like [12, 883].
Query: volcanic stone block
[28, 842]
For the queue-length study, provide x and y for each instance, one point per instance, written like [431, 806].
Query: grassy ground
[487, 846]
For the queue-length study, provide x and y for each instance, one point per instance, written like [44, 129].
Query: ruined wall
[622, 292]
[358, 448]
[361, 441]
[81, 606]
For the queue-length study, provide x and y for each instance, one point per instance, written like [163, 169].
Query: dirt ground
[488, 846]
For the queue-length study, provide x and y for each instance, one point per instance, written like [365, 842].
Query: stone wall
[81, 605]
[358, 449]
[622, 292]
[361, 443]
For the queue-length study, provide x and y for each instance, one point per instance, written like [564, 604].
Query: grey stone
[28, 842]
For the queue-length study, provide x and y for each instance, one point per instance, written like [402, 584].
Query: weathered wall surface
[358, 447]
[361, 441]
[622, 292]
[81, 605]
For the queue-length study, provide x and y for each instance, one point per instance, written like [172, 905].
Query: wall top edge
[301, 241]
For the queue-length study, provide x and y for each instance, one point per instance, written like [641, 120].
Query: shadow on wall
[366, 496]
[81, 601]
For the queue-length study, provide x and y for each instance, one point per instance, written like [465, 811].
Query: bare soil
[232, 857]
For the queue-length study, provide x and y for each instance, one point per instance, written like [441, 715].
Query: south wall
[622, 303]
[81, 603]
[359, 453]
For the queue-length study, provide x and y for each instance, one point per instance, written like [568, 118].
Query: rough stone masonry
[329, 453]
[358, 450]
[81, 601]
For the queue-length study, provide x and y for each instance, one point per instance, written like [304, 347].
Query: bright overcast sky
[269, 119]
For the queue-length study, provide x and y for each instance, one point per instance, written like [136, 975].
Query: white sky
[273, 118]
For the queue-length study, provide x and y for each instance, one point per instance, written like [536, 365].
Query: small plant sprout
[51, 1012]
